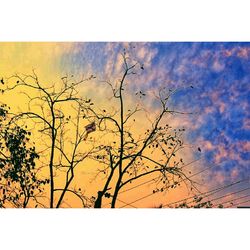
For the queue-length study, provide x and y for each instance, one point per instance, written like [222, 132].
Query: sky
[218, 99]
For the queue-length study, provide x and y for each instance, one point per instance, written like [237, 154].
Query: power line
[131, 189]
[146, 196]
[230, 201]
[126, 203]
[213, 191]
[230, 194]
[122, 202]
[143, 183]
[239, 203]
[217, 198]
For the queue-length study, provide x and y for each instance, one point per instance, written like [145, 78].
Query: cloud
[219, 74]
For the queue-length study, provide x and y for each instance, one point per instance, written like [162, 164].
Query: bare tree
[123, 153]
[56, 113]
[126, 156]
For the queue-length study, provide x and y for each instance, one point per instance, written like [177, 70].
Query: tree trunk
[98, 202]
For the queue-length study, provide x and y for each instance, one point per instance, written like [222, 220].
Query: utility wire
[146, 182]
[242, 190]
[127, 203]
[230, 201]
[218, 198]
[146, 196]
[143, 183]
[210, 192]
[239, 203]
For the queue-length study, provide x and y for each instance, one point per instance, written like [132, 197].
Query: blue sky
[219, 73]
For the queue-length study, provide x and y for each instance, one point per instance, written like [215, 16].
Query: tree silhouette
[56, 114]
[126, 156]
[121, 150]
[19, 183]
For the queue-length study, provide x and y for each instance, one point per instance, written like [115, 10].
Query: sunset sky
[218, 99]
[200, 48]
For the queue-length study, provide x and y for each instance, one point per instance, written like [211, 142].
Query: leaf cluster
[18, 175]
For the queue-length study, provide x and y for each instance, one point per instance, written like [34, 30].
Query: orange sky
[51, 61]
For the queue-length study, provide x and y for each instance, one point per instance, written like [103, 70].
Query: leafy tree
[56, 112]
[19, 184]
